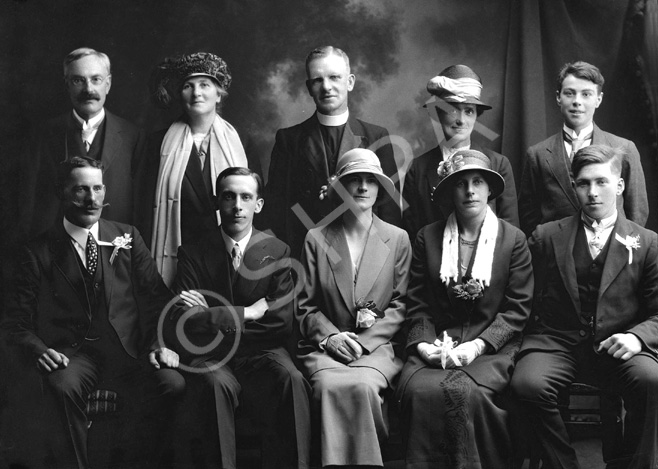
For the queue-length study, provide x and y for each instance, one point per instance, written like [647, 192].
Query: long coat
[546, 192]
[327, 301]
[121, 151]
[422, 178]
[51, 308]
[298, 168]
[497, 317]
[628, 294]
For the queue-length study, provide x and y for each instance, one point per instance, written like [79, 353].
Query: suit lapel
[112, 141]
[64, 258]
[248, 275]
[194, 178]
[352, 138]
[617, 257]
[430, 173]
[106, 233]
[563, 244]
[218, 269]
[373, 259]
[555, 159]
[342, 268]
[313, 147]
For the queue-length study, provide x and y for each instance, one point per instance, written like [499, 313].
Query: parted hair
[77, 54]
[582, 70]
[325, 51]
[240, 171]
[66, 167]
[597, 154]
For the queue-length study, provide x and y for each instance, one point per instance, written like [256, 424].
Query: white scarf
[484, 253]
[225, 150]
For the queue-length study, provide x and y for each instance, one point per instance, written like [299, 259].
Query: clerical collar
[604, 223]
[80, 234]
[576, 136]
[230, 242]
[333, 121]
[93, 122]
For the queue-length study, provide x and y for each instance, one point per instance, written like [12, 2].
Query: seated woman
[471, 288]
[182, 163]
[351, 306]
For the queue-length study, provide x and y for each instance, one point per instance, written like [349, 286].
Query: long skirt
[347, 403]
[452, 422]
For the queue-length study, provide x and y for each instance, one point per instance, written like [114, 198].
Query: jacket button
[97, 285]
[582, 333]
[74, 344]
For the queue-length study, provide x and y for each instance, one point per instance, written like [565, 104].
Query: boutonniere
[367, 313]
[324, 190]
[266, 258]
[120, 242]
[469, 290]
[631, 242]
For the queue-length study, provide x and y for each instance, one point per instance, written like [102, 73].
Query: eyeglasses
[79, 82]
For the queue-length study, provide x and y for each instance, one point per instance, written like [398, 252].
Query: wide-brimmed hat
[465, 160]
[457, 84]
[169, 75]
[361, 160]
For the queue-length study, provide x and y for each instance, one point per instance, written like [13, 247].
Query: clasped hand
[462, 355]
[344, 347]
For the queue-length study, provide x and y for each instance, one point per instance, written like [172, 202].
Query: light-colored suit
[546, 193]
[353, 426]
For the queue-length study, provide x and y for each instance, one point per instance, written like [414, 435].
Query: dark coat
[298, 168]
[51, 309]
[546, 192]
[422, 178]
[628, 294]
[121, 152]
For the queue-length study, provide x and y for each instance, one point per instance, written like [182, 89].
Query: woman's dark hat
[169, 75]
[457, 84]
[465, 160]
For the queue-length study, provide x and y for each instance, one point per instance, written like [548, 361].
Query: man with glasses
[88, 130]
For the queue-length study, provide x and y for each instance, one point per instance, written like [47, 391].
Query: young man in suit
[546, 192]
[304, 156]
[596, 304]
[88, 130]
[251, 366]
[456, 105]
[85, 308]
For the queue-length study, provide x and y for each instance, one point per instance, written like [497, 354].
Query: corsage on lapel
[470, 290]
[120, 242]
[631, 242]
[367, 313]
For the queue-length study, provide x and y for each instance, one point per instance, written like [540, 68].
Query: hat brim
[442, 195]
[385, 183]
[200, 74]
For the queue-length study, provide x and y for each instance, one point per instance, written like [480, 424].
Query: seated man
[252, 273]
[87, 295]
[596, 304]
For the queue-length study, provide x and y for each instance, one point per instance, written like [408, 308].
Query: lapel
[112, 141]
[563, 242]
[351, 139]
[107, 233]
[598, 137]
[555, 159]
[249, 274]
[194, 177]
[430, 171]
[64, 259]
[312, 147]
[218, 268]
[617, 257]
[342, 268]
[373, 259]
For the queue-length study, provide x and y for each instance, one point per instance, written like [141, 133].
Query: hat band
[460, 89]
[359, 167]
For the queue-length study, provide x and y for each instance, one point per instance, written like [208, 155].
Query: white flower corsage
[120, 242]
[631, 242]
[367, 313]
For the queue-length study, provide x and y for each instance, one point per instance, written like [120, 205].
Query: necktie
[576, 143]
[236, 255]
[596, 243]
[91, 252]
[87, 132]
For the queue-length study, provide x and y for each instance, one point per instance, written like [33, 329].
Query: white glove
[469, 351]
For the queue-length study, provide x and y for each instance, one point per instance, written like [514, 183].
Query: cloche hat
[361, 160]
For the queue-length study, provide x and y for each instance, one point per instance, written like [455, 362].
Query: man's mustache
[86, 96]
[91, 206]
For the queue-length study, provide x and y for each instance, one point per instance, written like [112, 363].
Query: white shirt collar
[606, 223]
[79, 234]
[93, 122]
[230, 242]
[583, 133]
[333, 121]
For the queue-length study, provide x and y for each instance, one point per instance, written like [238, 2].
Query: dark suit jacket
[198, 210]
[546, 193]
[122, 148]
[497, 318]
[298, 168]
[265, 272]
[50, 307]
[327, 302]
[421, 179]
[628, 295]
